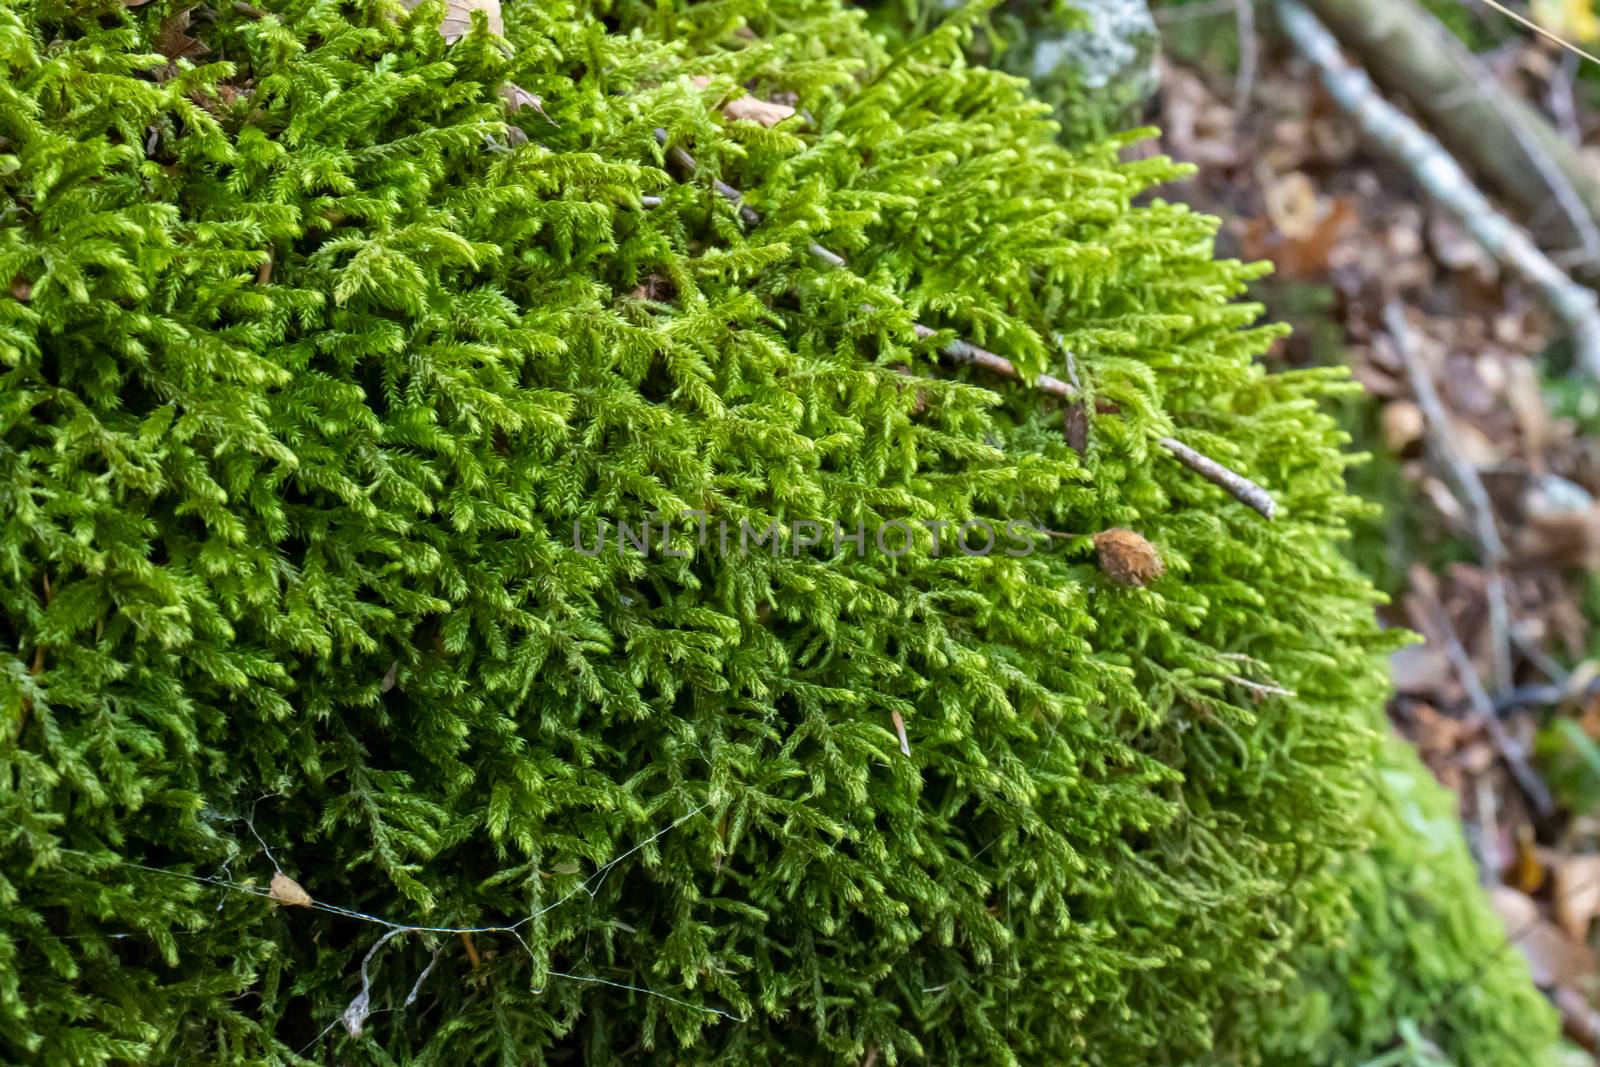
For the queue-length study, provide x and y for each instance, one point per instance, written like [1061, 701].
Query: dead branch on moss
[962, 351]
[1234, 483]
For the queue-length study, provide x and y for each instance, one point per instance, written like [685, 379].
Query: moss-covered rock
[319, 380]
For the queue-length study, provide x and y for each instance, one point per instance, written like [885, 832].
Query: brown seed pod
[1127, 558]
[288, 892]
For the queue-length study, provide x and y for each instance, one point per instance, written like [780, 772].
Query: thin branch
[1442, 177]
[1559, 93]
[1260, 689]
[960, 351]
[416, 988]
[1491, 548]
[360, 1007]
[1244, 21]
[1511, 750]
[1237, 485]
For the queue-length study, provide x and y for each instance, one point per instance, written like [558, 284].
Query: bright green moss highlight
[234, 504]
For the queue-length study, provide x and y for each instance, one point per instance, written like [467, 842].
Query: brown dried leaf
[517, 98]
[1556, 534]
[173, 40]
[1554, 958]
[1292, 205]
[1577, 894]
[1127, 558]
[1198, 129]
[1306, 247]
[900, 729]
[1435, 734]
[1457, 251]
[287, 891]
[458, 17]
[1420, 669]
[762, 111]
[1477, 758]
[654, 287]
[1402, 425]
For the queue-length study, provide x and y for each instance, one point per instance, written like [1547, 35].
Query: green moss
[288, 561]
[1093, 61]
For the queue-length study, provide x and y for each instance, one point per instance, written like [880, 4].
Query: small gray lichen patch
[1117, 45]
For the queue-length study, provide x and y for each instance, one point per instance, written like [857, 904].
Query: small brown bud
[1127, 558]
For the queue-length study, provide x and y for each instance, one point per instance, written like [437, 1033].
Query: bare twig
[1237, 485]
[356, 1012]
[1260, 689]
[960, 351]
[416, 988]
[1559, 95]
[1442, 177]
[1488, 831]
[1491, 549]
[1244, 21]
[1534, 654]
[1437, 621]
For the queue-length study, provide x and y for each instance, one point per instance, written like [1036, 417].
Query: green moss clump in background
[1093, 61]
[311, 364]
